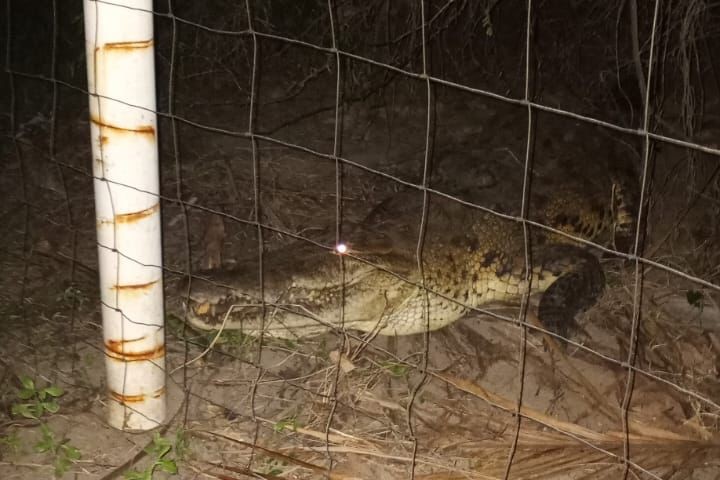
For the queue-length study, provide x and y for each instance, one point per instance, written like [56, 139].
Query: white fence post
[121, 86]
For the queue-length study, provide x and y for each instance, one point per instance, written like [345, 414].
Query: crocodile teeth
[203, 308]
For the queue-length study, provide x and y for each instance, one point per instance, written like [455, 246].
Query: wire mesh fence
[429, 240]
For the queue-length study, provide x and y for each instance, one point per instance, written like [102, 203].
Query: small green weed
[35, 403]
[40, 400]
[74, 295]
[64, 454]
[395, 369]
[10, 442]
[290, 423]
[272, 467]
[182, 445]
[159, 451]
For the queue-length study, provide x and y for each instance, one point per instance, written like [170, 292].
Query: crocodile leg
[580, 281]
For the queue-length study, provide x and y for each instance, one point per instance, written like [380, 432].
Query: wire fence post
[121, 86]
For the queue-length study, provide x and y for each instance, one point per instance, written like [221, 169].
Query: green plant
[63, 453]
[395, 369]
[40, 400]
[159, 451]
[10, 442]
[286, 424]
[35, 403]
[272, 467]
[74, 295]
[181, 445]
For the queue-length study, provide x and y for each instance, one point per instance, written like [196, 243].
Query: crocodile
[416, 264]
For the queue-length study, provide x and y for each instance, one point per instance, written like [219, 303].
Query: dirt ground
[437, 407]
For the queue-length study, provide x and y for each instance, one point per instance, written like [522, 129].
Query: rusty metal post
[121, 86]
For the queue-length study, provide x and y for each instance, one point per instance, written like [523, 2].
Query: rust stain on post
[130, 217]
[135, 287]
[139, 129]
[120, 46]
[126, 399]
[129, 291]
[146, 130]
[116, 345]
[115, 349]
[137, 216]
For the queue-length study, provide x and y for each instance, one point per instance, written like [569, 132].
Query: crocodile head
[305, 290]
